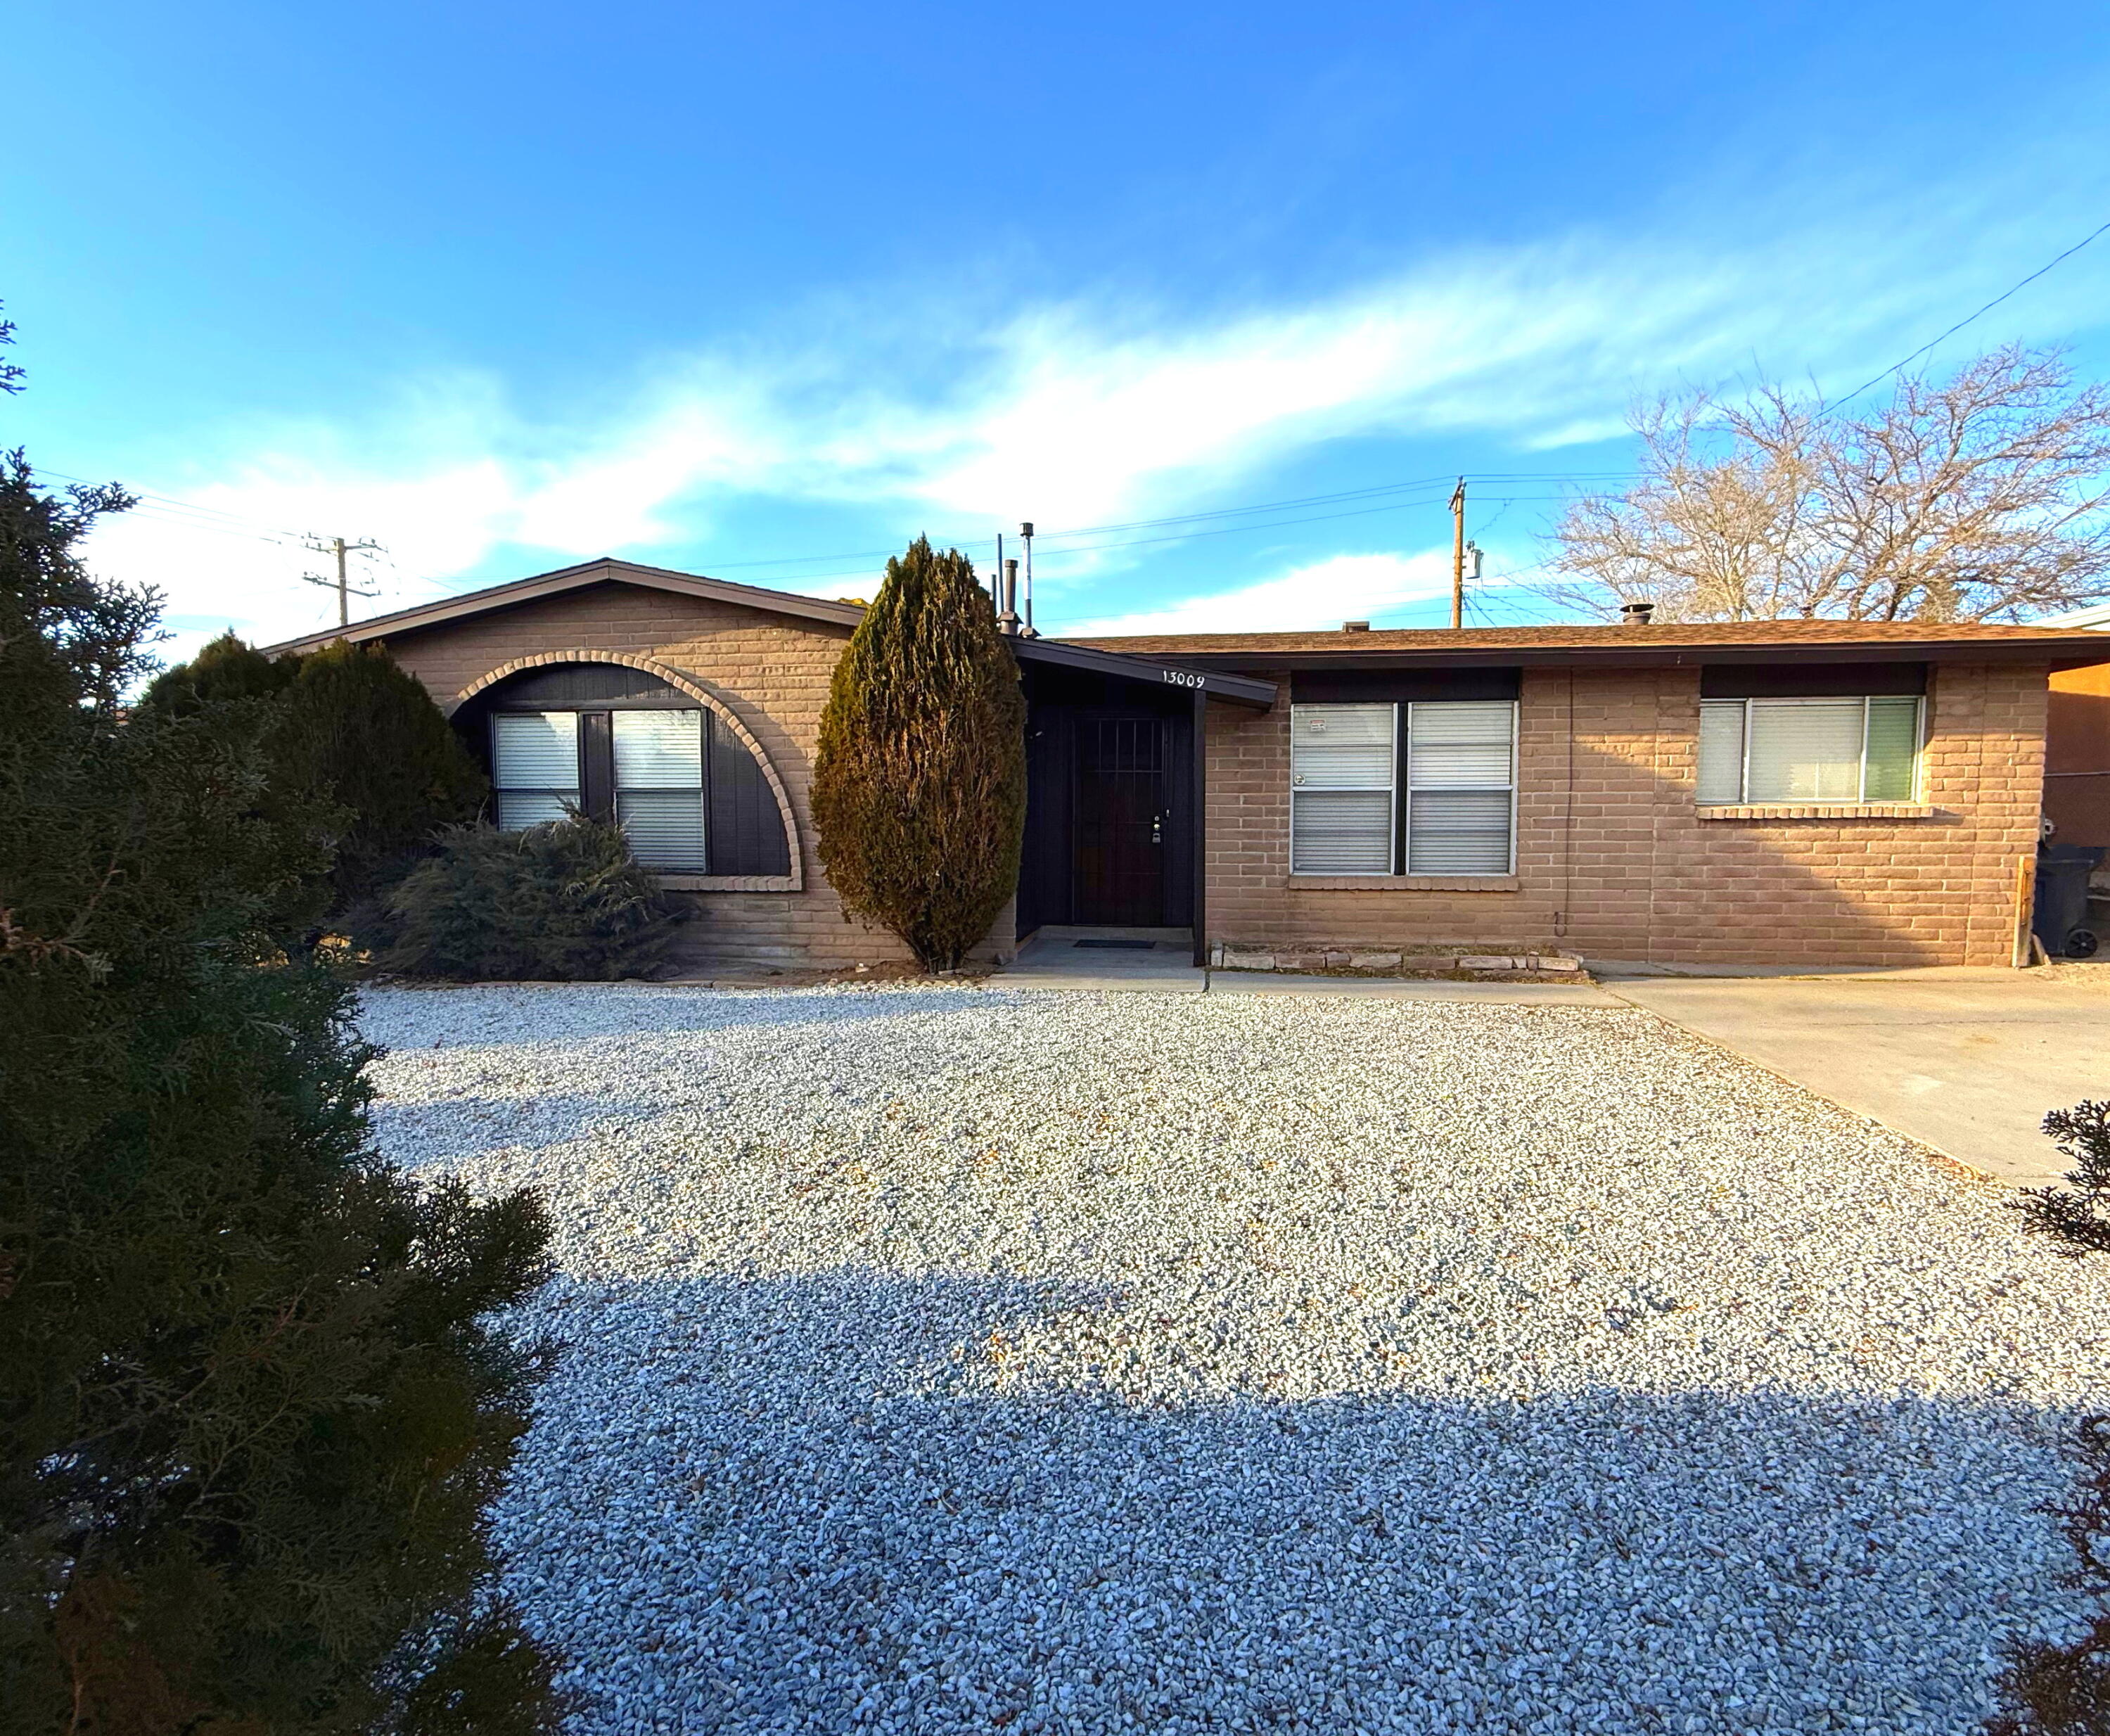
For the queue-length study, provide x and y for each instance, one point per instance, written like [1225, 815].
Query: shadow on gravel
[838, 1502]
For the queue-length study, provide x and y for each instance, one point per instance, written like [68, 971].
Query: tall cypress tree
[919, 783]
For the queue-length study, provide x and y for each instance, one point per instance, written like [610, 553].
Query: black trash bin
[2060, 920]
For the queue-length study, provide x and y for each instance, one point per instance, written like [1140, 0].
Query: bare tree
[1978, 497]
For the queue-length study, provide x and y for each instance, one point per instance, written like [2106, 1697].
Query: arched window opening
[619, 744]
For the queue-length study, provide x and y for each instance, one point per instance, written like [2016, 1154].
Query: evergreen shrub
[2064, 1690]
[564, 901]
[349, 726]
[363, 729]
[251, 1411]
[919, 777]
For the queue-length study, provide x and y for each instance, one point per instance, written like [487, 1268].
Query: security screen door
[1121, 820]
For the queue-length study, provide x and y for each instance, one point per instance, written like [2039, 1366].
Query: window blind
[1809, 749]
[1341, 774]
[1805, 750]
[1461, 756]
[658, 750]
[659, 786]
[1721, 751]
[1893, 750]
[1460, 787]
[535, 766]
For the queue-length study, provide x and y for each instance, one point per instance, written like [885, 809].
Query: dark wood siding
[1393, 686]
[565, 687]
[1809, 680]
[597, 766]
[746, 830]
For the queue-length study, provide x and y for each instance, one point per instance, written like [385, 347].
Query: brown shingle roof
[1667, 642]
[1576, 636]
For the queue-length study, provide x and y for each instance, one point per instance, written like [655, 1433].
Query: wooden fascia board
[566, 579]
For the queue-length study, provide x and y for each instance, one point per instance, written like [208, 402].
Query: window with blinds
[535, 767]
[1461, 787]
[1341, 818]
[659, 786]
[1809, 751]
[1452, 812]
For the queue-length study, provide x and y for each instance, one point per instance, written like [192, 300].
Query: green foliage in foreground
[561, 902]
[2054, 1690]
[2074, 1215]
[919, 776]
[249, 1411]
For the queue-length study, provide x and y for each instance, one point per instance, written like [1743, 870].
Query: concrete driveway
[1966, 1061]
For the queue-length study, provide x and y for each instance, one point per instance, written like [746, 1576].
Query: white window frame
[618, 789]
[1860, 799]
[1400, 847]
[1404, 831]
[576, 790]
[1391, 791]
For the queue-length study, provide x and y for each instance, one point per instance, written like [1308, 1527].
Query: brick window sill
[727, 882]
[1822, 811]
[1405, 883]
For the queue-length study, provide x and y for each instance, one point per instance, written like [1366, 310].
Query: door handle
[1158, 828]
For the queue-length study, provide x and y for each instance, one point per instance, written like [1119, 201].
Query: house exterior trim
[604, 571]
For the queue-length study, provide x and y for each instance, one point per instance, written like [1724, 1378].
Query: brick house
[1802, 792]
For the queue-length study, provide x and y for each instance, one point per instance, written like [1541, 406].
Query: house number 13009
[1185, 678]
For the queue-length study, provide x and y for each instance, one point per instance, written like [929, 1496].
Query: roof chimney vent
[1355, 627]
[1636, 614]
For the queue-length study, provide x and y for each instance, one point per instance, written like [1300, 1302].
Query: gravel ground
[973, 1360]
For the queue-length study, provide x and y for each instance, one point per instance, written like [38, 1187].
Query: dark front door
[1121, 821]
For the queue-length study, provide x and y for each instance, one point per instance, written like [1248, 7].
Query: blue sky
[719, 287]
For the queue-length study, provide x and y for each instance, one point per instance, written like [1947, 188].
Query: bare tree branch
[1978, 497]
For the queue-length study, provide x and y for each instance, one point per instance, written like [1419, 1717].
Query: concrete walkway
[1055, 958]
[1966, 1061]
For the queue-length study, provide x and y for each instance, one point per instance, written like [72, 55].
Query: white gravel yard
[969, 1360]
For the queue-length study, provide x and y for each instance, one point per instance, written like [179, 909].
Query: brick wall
[769, 671]
[1614, 860]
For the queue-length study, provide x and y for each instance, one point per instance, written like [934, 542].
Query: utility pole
[1458, 554]
[345, 589]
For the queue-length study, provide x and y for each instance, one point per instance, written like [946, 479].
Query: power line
[1997, 300]
[1179, 528]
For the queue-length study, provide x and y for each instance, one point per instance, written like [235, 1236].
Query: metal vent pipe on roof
[1636, 614]
[1006, 616]
[1026, 532]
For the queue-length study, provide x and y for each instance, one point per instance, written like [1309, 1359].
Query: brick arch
[681, 683]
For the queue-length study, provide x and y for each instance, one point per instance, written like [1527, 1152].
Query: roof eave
[1218, 683]
[2065, 652]
[605, 570]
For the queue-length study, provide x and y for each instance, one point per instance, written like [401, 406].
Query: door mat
[1119, 946]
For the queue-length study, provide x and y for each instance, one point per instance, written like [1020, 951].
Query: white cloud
[1080, 412]
[1347, 587]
